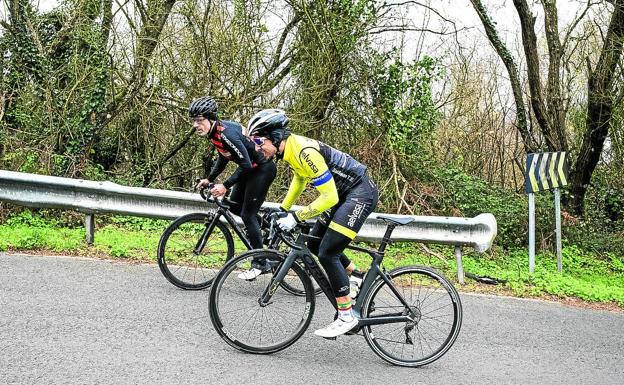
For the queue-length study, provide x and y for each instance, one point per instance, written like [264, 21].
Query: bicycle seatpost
[386, 238]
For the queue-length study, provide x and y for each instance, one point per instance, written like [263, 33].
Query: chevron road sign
[545, 171]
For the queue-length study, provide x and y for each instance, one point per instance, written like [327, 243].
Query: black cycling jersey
[232, 144]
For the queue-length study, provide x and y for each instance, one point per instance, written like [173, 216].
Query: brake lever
[202, 192]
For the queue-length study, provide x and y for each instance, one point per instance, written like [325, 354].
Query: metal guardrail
[91, 197]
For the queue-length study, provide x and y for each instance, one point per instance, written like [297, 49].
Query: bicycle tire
[232, 298]
[176, 257]
[426, 291]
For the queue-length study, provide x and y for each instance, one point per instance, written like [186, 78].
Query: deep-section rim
[457, 321]
[176, 224]
[215, 290]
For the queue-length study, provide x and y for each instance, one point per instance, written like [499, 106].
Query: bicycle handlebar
[275, 230]
[223, 202]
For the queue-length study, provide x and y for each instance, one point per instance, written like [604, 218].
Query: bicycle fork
[201, 242]
[277, 279]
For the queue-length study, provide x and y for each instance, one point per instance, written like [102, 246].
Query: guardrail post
[460, 267]
[90, 227]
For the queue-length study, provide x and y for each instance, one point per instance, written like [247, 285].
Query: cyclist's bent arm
[241, 157]
[217, 168]
[327, 199]
[312, 164]
[297, 185]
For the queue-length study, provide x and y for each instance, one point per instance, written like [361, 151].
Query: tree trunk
[529, 43]
[600, 101]
[512, 70]
[554, 100]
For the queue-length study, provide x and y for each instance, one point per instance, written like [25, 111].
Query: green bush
[472, 196]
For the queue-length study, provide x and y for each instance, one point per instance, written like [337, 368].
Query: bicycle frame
[300, 250]
[222, 210]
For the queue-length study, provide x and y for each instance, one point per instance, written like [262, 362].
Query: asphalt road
[85, 321]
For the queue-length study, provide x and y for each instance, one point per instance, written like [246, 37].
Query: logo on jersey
[340, 173]
[355, 215]
[307, 159]
[225, 138]
[324, 178]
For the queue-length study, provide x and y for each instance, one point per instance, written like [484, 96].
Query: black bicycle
[409, 316]
[193, 247]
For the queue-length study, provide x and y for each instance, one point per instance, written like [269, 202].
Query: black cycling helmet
[205, 106]
[271, 123]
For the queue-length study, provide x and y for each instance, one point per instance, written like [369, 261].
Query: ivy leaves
[406, 108]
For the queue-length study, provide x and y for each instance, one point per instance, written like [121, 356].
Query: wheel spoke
[177, 257]
[260, 328]
[434, 307]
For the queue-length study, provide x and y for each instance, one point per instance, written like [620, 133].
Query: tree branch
[512, 70]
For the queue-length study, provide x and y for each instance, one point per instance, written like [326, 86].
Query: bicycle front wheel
[243, 321]
[190, 252]
[435, 309]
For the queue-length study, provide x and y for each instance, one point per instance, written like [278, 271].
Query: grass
[586, 276]
[110, 241]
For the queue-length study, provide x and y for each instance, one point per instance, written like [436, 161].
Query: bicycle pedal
[330, 338]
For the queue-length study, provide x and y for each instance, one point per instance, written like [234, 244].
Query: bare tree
[548, 104]
[602, 95]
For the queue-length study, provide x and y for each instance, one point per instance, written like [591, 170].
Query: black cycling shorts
[348, 216]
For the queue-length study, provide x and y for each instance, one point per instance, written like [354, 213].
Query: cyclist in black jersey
[347, 197]
[251, 180]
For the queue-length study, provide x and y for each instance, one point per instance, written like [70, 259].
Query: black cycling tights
[252, 191]
[329, 250]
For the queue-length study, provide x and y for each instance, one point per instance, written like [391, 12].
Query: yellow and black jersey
[333, 173]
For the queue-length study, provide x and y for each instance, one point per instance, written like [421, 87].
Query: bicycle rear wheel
[434, 306]
[181, 258]
[245, 324]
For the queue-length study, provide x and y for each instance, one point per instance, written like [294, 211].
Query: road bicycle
[194, 246]
[409, 316]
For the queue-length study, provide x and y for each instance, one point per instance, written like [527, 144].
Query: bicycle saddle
[396, 220]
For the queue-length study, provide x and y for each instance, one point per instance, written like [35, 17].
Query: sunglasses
[259, 141]
[197, 119]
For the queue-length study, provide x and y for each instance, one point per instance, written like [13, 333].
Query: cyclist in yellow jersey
[347, 197]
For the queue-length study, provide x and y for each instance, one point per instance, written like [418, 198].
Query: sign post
[545, 171]
[558, 227]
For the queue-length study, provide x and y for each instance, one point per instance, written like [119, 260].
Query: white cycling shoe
[250, 274]
[258, 267]
[336, 328]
